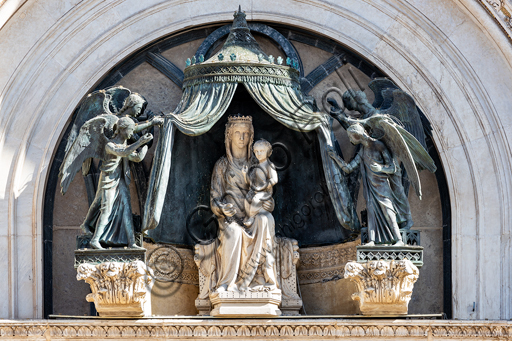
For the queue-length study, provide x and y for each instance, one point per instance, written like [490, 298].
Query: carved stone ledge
[384, 287]
[123, 255]
[325, 263]
[289, 329]
[119, 289]
[390, 252]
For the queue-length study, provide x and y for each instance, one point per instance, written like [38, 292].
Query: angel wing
[101, 102]
[399, 148]
[377, 85]
[403, 107]
[90, 143]
[390, 100]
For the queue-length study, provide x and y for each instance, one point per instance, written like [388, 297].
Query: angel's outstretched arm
[347, 168]
[112, 148]
[154, 121]
[344, 120]
[138, 156]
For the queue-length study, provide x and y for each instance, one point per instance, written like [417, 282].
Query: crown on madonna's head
[240, 119]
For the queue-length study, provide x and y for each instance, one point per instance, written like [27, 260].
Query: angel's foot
[399, 243]
[135, 246]
[249, 221]
[370, 244]
[95, 244]
[86, 230]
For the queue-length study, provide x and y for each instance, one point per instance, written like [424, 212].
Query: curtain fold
[201, 106]
[337, 182]
[287, 105]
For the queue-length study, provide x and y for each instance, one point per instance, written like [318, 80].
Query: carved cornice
[301, 328]
[325, 263]
[500, 11]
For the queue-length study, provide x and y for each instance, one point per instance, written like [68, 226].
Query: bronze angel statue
[390, 133]
[105, 123]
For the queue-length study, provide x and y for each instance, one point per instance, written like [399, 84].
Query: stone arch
[66, 50]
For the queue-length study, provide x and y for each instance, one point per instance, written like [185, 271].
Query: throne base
[248, 304]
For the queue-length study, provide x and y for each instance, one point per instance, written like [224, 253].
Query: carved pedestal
[384, 287]
[120, 286]
[251, 303]
[247, 304]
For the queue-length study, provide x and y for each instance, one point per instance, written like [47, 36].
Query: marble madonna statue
[245, 254]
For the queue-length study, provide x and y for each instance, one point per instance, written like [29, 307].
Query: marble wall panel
[427, 296]
[329, 298]
[69, 293]
[171, 298]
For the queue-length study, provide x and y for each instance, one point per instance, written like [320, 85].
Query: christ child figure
[261, 178]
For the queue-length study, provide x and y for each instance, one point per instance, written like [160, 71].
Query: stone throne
[287, 257]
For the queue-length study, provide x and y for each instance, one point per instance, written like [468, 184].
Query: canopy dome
[241, 60]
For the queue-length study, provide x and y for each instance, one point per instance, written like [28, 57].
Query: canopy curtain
[288, 106]
[201, 106]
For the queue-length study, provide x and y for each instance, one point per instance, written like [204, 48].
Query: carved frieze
[501, 11]
[325, 263]
[229, 329]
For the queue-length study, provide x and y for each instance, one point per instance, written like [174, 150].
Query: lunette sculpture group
[244, 256]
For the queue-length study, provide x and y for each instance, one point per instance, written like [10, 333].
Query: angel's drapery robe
[386, 202]
[111, 206]
[241, 251]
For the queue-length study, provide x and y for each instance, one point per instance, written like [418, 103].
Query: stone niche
[320, 269]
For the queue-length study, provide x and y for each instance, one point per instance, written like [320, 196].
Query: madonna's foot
[370, 244]
[95, 245]
[399, 243]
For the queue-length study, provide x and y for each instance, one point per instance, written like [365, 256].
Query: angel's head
[133, 105]
[356, 133]
[353, 98]
[124, 128]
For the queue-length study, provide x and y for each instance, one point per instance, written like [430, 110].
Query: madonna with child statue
[241, 265]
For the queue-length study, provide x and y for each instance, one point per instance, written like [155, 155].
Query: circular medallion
[166, 263]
